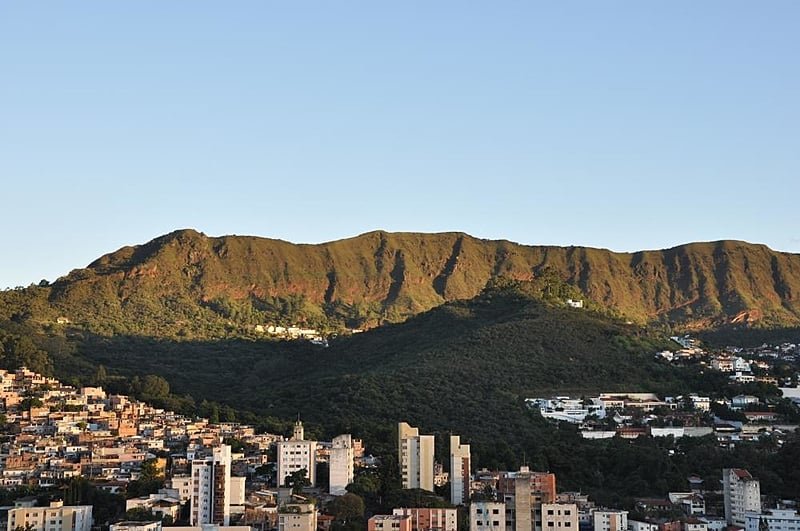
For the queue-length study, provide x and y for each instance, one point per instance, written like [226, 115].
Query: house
[742, 401]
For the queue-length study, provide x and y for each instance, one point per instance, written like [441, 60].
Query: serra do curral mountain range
[185, 277]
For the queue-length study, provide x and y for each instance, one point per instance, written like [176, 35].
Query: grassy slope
[185, 283]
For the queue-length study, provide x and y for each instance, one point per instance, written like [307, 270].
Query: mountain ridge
[380, 276]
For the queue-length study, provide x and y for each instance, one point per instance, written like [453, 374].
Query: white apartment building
[610, 520]
[55, 517]
[415, 457]
[341, 464]
[776, 519]
[211, 488]
[487, 516]
[297, 454]
[742, 494]
[459, 471]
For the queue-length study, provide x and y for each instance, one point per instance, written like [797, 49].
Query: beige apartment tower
[55, 517]
[459, 471]
[415, 457]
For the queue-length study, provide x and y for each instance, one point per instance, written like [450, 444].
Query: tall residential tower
[459, 471]
[415, 457]
[211, 488]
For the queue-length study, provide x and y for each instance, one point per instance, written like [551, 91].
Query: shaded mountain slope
[444, 369]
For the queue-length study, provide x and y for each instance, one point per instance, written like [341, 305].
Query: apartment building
[415, 457]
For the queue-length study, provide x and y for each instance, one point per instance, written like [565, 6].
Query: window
[495, 511]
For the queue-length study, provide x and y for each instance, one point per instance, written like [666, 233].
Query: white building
[415, 457]
[487, 516]
[610, 520]
[776, 520]
[642, 525]
[567, 409]
[135, 526]
[182, 484]
[211, 488]
[742, 401]
[297, 454]
[700, 403]
[741, 364]
[459, 471]
[163, 503]
[55, 517]
[341, 464]
[742, 494]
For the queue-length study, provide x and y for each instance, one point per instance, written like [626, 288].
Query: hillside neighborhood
[61, 443]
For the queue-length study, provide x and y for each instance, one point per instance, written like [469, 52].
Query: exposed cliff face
[700, 284]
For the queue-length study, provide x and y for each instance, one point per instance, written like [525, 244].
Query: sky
[626, 125]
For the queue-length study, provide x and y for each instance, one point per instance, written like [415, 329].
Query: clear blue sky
[625, 125]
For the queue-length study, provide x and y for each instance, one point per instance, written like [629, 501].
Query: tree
[297, 481]
[101, 375]
[150, 480]
[140, 514]
[348, 511]
[154, 387]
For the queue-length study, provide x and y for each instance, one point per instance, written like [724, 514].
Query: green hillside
[464, 367]
[443, 369]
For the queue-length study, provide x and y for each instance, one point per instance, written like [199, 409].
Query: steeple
[298, 430]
